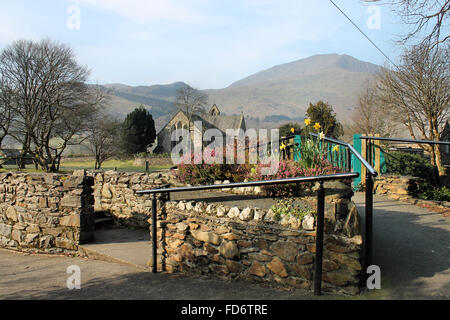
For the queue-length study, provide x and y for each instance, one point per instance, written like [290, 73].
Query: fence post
[369, 210]
[319, 240]
[154, 235]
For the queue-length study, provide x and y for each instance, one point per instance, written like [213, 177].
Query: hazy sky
[206, 43]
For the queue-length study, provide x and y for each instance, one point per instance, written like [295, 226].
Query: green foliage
[286, 207]
[427, 191]
[286, 129]
[322, 112]
[312, 152]
[138, 131]
[407, 164]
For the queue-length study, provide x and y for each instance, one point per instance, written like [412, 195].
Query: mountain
[288, 89]
[281, 92]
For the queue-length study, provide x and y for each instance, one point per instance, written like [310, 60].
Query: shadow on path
[411, 246]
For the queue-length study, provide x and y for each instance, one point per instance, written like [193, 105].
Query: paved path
[44, 277]
[411, 246]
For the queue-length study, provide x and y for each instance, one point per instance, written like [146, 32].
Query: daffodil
[292, 130]
[321, 135]
[283, 146]
[335, 148]
[307, 121]
[317, 126]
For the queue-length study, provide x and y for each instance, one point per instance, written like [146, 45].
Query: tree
[191, 101]
[138, 131]
[417, 94]
[421, 15]
[322, 113]
[6, 115]
[286, 129]
[101, 138]
[367, 118]
[49, 97]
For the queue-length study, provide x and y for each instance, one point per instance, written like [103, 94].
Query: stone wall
[50, 213]
[115, 194]
[248, 244]
[396, 187]
[402, 188]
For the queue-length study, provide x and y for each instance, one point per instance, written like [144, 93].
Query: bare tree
[367, 118]
[102, 138]
[191, 101]
[427, 18]
[417, 94]
[49, 97]
[6, 115]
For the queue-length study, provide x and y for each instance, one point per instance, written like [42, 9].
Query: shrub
[406, 164]
[200, 174]
[290, 169]
[427, 191]
[286, 207]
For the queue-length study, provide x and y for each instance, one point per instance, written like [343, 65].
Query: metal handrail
[253, 183]
[405, 140]
[369, 167]
[320, 212]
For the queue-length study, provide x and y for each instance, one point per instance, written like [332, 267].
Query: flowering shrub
[208, 172]
[291, 169]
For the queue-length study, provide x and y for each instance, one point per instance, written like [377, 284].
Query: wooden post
[363, 169]
[377, 143]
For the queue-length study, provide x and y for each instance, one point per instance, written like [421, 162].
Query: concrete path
[120, 245]
[411, 246]
[44, 277]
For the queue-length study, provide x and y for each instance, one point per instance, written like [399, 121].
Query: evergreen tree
[138, 131]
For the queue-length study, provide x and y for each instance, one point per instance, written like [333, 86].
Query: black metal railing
[320, 211]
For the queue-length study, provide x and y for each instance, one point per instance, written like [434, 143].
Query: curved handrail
[253, 183]
[369, 168]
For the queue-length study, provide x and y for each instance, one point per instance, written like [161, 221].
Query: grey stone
[308, 222]
[247, 214]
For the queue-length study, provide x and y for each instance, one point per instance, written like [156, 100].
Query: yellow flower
[321, 135]
[283, 146]
[317, 126]
[335, 148]
[307, 121]
[292, 130]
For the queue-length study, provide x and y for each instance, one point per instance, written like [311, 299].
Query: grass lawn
[68, 166]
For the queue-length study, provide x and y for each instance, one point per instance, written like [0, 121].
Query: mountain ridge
[285, 89]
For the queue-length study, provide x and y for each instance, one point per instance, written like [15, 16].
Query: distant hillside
[159, 99]
[288, 89]
[279, 93]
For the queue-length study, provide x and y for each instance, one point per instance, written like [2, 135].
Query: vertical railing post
[154, 235]
[369, 209]
[349, 160]
[319, 240]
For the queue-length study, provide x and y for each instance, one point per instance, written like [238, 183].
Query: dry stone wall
[50, 213]
[396, 187]
[115, 194]
[248, 244]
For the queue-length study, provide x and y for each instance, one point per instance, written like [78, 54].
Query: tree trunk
[438, 157]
